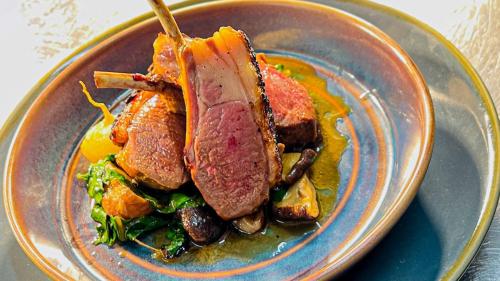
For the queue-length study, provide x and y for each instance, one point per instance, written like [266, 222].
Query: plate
[443, 228]
[390, 130]
[487, 196]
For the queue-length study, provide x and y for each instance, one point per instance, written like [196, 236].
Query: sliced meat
[119, 134]
[292, 106]
[164, 61]
[153, 153]
[231, 148]
[165, 68]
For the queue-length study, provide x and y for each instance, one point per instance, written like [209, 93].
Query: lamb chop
[292, 107]
[231, 148]
[154, 144]
[151, 129]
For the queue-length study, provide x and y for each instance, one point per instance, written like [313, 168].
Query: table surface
[38, 34]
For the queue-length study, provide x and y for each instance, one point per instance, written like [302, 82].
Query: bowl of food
[243, 140]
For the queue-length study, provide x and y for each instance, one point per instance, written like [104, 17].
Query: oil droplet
[93, 253]
[121, 254]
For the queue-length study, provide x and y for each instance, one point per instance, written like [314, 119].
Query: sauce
[246, 247]
[96, 144]
[323, 173]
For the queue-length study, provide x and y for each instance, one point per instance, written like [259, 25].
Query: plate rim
[486, 218]
[484, 221]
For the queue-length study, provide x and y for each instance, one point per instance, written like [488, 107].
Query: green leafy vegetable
[177, 240]
[99, 175]
[279, 67]
[174, 202]
[111, 229]
[179, 201]
[107, 230]
[139, 226]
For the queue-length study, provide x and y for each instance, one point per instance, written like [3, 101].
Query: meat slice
[119, 134]
[164, 61]
[153, 153]
[231, 147]
[292, 106]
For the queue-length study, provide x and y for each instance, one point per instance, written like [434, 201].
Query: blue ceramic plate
[390, 132]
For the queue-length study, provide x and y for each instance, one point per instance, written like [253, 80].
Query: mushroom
[201, 226]
[252, 223]
[298, 204]
[297, 164]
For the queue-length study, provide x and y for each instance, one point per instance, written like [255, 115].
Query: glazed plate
[436, 238]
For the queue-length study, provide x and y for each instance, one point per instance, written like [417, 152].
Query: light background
[36, 34]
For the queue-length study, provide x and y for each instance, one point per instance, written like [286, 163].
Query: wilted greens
[111, 229]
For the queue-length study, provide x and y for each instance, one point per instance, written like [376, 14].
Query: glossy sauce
[96, 143]
[323, 173]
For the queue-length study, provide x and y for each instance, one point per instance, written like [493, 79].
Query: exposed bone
[167, 21]
[135, 81]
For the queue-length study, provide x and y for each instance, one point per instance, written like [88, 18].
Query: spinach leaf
[174, 202]
[107, 231]
[99, 175]
[113, 228]
[179, 201]
[177, 240]
[139, 226]
[278, 193]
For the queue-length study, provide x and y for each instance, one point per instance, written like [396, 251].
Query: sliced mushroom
[252, 223]
[301, 165]
[201, 225]
[299, 203]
